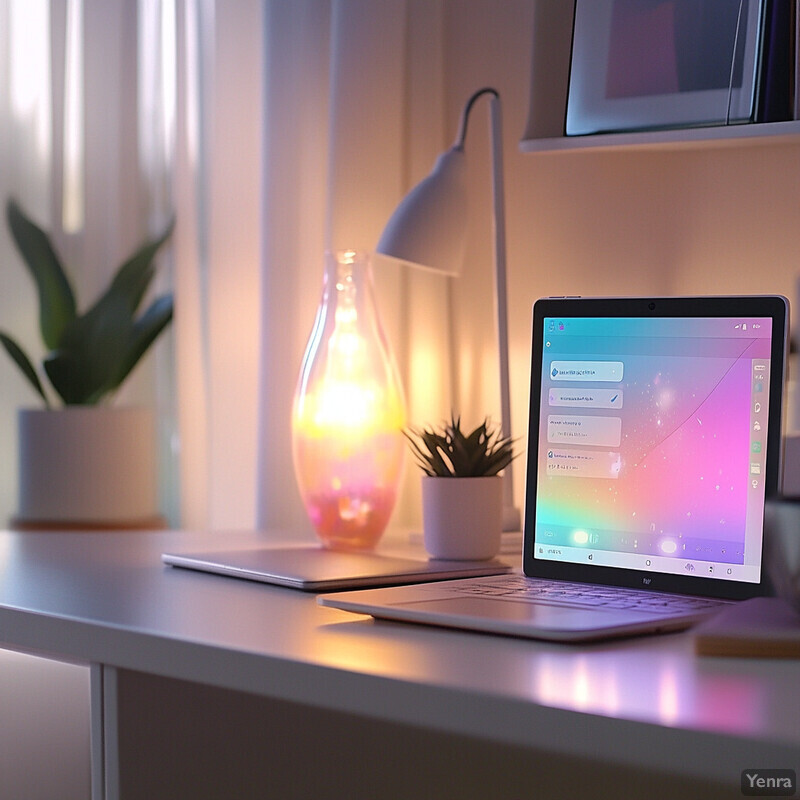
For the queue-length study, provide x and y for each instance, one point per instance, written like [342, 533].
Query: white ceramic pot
[462, 518]
[87, 465]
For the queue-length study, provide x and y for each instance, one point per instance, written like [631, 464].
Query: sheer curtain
[300, 127]
[360, 122]
[25, 159]
[217, 277]
[378, 95]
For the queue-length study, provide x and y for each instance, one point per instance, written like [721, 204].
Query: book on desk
[763, 627]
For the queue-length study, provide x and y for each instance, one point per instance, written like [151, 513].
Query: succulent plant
[88, 355]
[448, 452]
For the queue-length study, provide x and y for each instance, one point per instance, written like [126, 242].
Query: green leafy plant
[89, 355]
[448, 452]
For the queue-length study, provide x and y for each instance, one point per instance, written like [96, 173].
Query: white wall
[673, 222]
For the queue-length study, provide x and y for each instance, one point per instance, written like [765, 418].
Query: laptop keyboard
[517, 587]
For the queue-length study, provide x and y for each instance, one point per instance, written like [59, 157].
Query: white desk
[205, 686]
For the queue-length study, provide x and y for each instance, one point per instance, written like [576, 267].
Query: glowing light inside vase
[347, 423]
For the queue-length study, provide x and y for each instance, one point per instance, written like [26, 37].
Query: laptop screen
[655, 427]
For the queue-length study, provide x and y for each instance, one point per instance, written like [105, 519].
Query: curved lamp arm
[511, 515]
[428, 229]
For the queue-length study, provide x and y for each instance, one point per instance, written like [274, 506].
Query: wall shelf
[544, 132]
[768, 133]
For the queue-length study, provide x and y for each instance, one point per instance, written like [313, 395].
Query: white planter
[462, 518]
[87, 466]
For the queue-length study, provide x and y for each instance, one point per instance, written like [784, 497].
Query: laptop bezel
[774, 306]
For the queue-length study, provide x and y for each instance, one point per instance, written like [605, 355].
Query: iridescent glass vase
[348, 412]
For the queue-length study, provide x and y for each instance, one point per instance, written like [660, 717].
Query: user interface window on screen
[652, 440]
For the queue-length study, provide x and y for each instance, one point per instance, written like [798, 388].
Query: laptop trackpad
[458, 610]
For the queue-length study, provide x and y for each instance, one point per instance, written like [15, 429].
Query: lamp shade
[429, 227]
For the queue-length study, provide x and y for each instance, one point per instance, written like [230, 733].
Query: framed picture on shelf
[649, 64]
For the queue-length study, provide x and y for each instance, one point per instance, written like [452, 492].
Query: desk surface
[106, 598]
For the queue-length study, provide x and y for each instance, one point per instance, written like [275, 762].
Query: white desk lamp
[429, 228]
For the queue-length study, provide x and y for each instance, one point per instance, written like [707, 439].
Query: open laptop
[654, 439]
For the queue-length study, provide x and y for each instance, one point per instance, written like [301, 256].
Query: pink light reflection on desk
[658, 687]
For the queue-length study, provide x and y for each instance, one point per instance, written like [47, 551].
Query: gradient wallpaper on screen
[665, 465]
